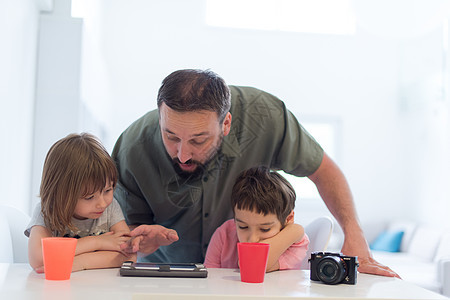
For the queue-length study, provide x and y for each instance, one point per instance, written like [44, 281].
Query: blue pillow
[388, 241]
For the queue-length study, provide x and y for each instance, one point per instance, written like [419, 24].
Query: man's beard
[200, 166]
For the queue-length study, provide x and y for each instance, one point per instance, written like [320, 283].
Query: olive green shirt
[263, 132]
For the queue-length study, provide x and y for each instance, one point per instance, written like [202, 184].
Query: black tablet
[142, 269]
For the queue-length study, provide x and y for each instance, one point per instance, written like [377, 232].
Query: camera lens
[331, 269]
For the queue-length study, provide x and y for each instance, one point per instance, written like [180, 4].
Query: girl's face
[93, 206]
[253, 227]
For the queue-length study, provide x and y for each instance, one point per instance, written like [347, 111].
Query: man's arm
[336, 194]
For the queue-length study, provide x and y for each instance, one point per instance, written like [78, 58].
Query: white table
[19, 281]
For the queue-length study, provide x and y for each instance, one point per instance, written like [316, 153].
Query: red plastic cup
[58, 253]
[253, 261]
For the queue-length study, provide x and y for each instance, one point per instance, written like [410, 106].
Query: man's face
[191, 138]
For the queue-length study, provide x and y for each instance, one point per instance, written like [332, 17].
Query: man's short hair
[263, 191]
[194, 90]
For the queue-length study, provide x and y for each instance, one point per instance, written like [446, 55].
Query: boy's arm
[100, 260]
[279, 243]
[35, 257]
[214, 251]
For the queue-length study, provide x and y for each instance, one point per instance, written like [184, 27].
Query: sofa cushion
[443, 249]
[411, 268]
[424, 243]
[408, 229]
[388, 241]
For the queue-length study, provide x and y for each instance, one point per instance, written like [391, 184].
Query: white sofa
[424, 256]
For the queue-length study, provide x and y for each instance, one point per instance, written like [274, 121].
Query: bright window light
[308, 16]
[326, 134]
[79, 8]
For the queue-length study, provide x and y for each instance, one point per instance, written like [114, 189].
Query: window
[309, 16]
[326, 133]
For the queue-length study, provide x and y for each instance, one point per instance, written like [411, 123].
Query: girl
[76, 193]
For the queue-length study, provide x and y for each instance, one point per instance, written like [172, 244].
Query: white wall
[379, 83]
[58, 105]
[383, 84]
[18, 39]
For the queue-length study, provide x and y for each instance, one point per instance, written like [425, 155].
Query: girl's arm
[104, 259]
[120, 226]
[87, 254]
[279, 243]
[35, 257]
[110, 241]
[100, 260]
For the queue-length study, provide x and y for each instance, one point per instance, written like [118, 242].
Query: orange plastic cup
[253, 261]
[58, 253]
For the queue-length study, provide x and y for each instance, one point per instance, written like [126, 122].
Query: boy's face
[93, 206]
[253, 227]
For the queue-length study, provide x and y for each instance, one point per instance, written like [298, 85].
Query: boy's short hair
[263, 191]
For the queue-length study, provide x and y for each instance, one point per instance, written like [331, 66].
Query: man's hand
[148, 238]
[366, 262]
[335, 192]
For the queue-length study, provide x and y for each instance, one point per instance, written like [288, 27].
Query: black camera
[333, 268]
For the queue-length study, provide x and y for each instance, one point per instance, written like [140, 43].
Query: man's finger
[371, 266]
[173, 236]
[137, 231]
[135, 243]
[375, 270]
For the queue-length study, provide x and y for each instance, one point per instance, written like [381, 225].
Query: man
[177, 165]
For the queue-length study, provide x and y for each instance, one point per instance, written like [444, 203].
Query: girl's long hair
[75, 167]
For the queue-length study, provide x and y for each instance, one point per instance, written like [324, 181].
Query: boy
[263, 202]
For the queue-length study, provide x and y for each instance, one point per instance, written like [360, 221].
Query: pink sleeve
[214, 251]
[222, 249]
[292, 258]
